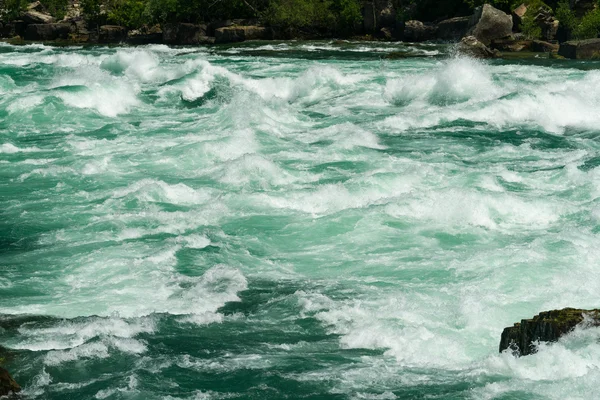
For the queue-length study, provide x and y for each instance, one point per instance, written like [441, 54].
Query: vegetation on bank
[326, 16]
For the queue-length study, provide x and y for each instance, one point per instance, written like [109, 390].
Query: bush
[128, 13]
[589, 26]
[12, 9]
[319, 15]
[566, 16]
[56, 8]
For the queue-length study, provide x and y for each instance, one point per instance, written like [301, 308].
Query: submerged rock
[233, 34]
[489, 23]
[7, 383]
[548, 326]
[581, 49]
[472, 47]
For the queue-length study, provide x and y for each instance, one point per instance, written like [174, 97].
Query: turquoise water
[294, 220]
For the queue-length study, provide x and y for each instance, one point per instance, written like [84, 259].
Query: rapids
[294, 220]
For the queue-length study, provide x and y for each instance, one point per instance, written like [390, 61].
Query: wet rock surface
[547, 326]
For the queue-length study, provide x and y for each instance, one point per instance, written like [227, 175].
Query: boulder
[548, 326]
[453, 28]
[489, 23]
[471, 47]
[518, 14]
[35, 6]
[47, 31]
[544, 47]
[111, 34]
[233, 34]
[417, 31]
[7, 383]
[12, 29]
[580, 49]
[145, 35]
[184, 34]
[547, 23]
[36, 17]
[514, 45]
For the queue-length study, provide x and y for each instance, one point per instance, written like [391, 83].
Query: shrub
[56, 8]
[12, 9]
[566, 16]
[128, 13]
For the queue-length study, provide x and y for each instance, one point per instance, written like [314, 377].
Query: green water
[294, 220]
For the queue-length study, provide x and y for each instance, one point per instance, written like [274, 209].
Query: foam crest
[151, 190]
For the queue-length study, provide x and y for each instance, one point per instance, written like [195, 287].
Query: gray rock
[233, 34]
[548, 326]
[7, 383]
[544, 47]
[513, 45]
[518, 14]
[580, 49]
[36, 17]
[489, 23]
[145, 35]
[453, 28]
[471, 47]
[417, 31]
[184, 34]
[47, 31]
[112, 34]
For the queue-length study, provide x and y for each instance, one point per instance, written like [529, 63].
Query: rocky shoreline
[488, 33]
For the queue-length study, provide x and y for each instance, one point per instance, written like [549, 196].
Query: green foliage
[12, 9]
[530, 28]
[301, 14]
[320, 15]
[56, 8]
[91, 10]
[504, 5]
[128, 13]
[565, 15]
[589, 26]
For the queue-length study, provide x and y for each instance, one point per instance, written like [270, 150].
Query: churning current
[318, 220]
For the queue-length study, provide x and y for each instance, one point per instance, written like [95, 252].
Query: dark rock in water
[232, 34]
[470, 46]
[513, 45]
[7, 383]
[112, 34]
[453, 28]
[145, 35]
[580, 49]
[548, 326]
[12, 29]
[417, 31]
[184, 34]
[47, 31]
[544, 47]
[489, 23]
[518, 14]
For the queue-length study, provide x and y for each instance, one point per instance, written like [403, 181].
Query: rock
[417, 31]
[518, 14]
[47, 31]
[580, 49]
[489, 23]
[7, 383]
[547, 23]
[470, 46]
[453, 28]
[12, 29]
[36, 17]
[378, 14]
[232, 34]
[548, 326]
[514, 45]
[112, 34]
[145, 35]
[544, 47]
[184, 34]
[35, 6]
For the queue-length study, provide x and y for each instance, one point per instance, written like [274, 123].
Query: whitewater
[317, 220]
